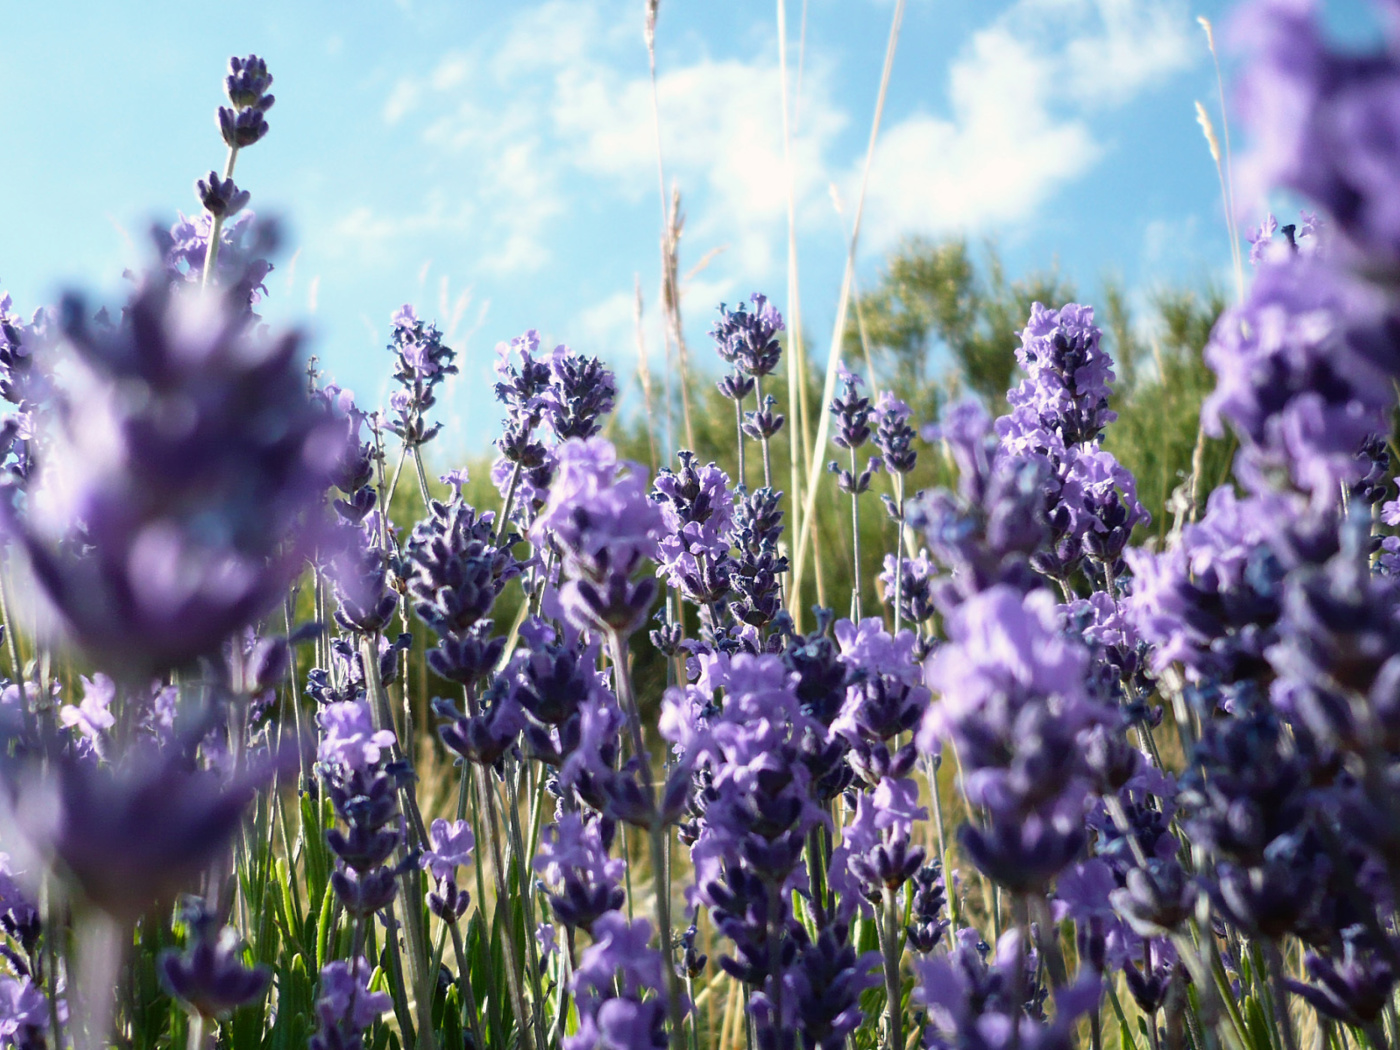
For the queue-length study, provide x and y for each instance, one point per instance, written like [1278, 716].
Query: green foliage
[1159, 398]
[933, 300]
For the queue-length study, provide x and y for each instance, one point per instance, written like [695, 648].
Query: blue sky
[494, 163]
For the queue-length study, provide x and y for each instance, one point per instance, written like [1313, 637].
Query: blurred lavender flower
[19, 917]
[24, 1014]
[1013, 702]
[984, 534]
[1322, 120]
[92, 717]
[827, 979]
[1291, 381]
[209, 974]
[349, 740]
[1353, 990]
[452, 846]
[358, 567]
[240, 262]
[129, 835]
[973, 1003]
[346, 1006]
[613, 975]
[173, 504]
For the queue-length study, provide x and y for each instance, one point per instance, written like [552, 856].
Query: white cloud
[555, 117]
[1019, 99]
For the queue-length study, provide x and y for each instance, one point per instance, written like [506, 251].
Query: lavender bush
[292, 754]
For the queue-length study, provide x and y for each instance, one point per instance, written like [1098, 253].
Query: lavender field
[767, 693]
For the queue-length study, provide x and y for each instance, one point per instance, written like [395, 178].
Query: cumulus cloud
[1020, 101]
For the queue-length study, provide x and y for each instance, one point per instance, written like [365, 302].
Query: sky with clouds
[496, 164]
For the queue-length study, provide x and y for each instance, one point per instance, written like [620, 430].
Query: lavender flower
[221, 197]
[746, 339]
[582, 390]
[452, 846]
[455, 567]
[851, 411]
[246, 86]
[346, 1006]
[24, 1014]
[698, 510]
[893, 435]
[915, 585]
[209, 974]
[421, 362]
[1291, 381]
[1068, 376]
[160, 523]
[585, 883]
[756, 528]
[598, 516]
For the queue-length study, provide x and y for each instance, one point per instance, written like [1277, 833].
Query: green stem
[899, 553]
[464, 985]
[767, 453]
[1282, 1018]
[739, 434]
[623, 677]
[855, 544]
[411, 880]
[890, 943]
[514, 983]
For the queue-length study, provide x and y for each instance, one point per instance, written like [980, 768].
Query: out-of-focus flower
[1291, 382]
[126, 836]
[348, 738]
[209, 974]
[345, 1005]
[176, 499]
[24, 1014]
[452, 846]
